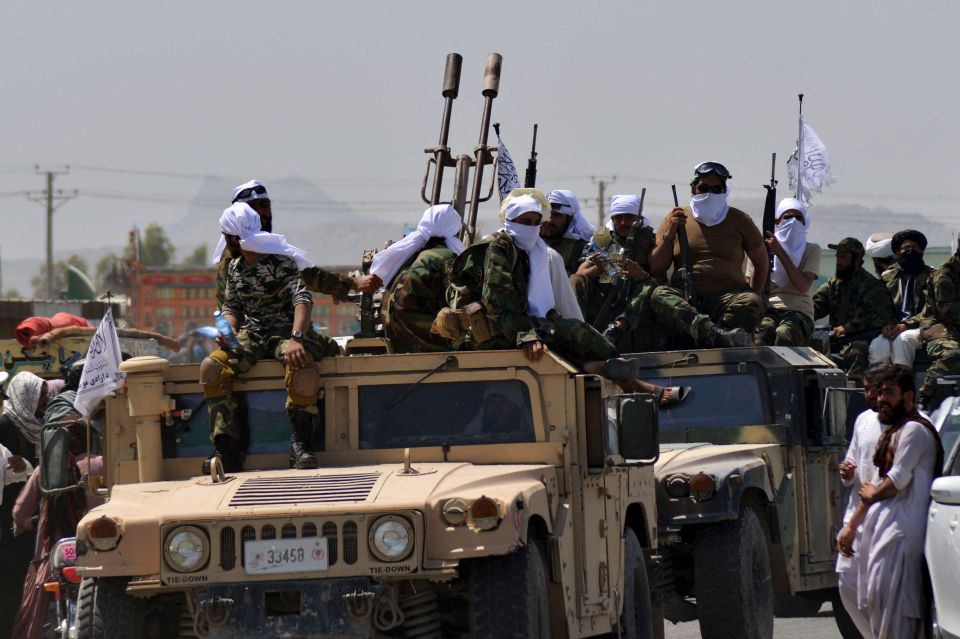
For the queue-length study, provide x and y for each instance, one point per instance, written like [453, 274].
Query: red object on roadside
[71, 574]
[37, 326]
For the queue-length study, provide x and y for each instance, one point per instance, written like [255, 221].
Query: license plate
[285, 555]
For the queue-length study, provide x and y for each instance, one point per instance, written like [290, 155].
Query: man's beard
[890, 415]
[845, 273]
[550, 232]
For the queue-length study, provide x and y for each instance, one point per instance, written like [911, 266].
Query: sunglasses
[246, 194]
[704, 188]
[713, 167]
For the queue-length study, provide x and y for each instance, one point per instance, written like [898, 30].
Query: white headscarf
[710, 208]
[539, 288]
[624, 205]
[252, 196]
[241, 220]
[23, 397]
[579, 228]
[879, 245]
[792, 235]
[441, 220]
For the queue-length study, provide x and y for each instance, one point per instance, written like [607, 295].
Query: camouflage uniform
[415, 296]
[736, 309]
[941, 324]
[570, 249]
[496, 273]
[862, 305]
[262, 297]
[918, 293]
[317, 279]
[222, 269]
[782, 327]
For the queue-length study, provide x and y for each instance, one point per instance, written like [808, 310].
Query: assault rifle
[770, 206]
[530, 179]
[623, 292]
[686, 269]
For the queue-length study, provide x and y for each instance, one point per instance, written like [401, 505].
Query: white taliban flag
[507, 178]
[101, 369]
[814, 173]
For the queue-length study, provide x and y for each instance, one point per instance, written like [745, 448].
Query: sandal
[676, 395]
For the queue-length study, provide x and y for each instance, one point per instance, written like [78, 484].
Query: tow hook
[217, 610]
[359, 603]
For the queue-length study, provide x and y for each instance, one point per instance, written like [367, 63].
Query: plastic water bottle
[610, 268]
[226, 330]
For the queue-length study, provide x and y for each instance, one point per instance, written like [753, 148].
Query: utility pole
[602, 185]
[52, 200]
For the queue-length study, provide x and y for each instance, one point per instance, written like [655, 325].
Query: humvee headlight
[391, 538]
[485, 513]
[455, 512]
[104, 533]
[186, 549]
[703, 487]
[677, 486]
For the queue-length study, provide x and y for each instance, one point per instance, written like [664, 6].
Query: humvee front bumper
[308, 608]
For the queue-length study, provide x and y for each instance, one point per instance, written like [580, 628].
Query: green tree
[39, 281]
[156, 249]
[12, 294]
[110, 273]
[199, 258]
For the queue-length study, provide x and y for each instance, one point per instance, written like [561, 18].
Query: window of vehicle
[950, 435]
[454, 413]
[717, 401]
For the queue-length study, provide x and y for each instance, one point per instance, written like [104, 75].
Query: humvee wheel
[510, 595]
[636, 620]
[105, 610]
[732, 580]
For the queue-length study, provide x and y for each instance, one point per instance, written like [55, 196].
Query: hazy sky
[347, 94]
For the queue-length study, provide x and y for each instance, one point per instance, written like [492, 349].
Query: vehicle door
[943, 539]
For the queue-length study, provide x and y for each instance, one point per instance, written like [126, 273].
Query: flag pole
[800, 149]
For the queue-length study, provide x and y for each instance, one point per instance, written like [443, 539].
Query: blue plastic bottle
[226, 331]
[610, 268]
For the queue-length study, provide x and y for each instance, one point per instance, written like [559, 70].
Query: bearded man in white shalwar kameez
[893, 510]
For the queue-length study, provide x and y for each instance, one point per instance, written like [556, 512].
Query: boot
[613, 333]
[728, 337]
[301, 432]
[228, 450]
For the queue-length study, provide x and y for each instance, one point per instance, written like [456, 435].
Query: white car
[943, 537]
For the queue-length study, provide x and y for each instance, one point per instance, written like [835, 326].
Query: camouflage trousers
[574, 340]
[218, 373]
[945, 354]
[407, 330]
[738, 309]
[854, 354]
[780, 327]
[644, 329]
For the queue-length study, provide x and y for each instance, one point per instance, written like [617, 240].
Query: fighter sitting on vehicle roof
[566, 230]
[414, 271]
[878, 248]
[720, 237]
[858, 304]
[267, 300]
[940, 327]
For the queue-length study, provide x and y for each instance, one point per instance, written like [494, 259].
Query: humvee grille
[277, 491]
[228, 552]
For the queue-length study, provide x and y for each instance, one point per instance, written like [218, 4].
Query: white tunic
[863, 444]
[890, 584]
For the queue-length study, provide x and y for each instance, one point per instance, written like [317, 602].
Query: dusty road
[819, 627]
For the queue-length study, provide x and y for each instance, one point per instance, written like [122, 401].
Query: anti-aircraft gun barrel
[482, 153]
[441, 152]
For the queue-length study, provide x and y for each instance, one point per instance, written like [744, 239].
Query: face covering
[709, 208]
[539, 287]
[911, 262]
[792, 235]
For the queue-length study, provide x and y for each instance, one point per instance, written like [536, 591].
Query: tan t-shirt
[789, 297]
[717, 252]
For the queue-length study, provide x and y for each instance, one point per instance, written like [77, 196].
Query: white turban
[624, 205]
[540, 298]
[792, 235]
[567, 203]
[254, 195]
[879, 245]
[441, 220]
[241, 220]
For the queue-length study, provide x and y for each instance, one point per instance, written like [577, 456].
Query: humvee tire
[510, 595]
[105, 610]
[636, 619]
[733, 584]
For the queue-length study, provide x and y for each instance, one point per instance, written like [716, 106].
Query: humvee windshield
[718, 401]
[453, 413]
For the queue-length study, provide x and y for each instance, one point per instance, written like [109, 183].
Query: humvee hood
[375, 488]
[716, 459]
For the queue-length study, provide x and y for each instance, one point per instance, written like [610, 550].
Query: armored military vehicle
[458, 495]
[748, 495]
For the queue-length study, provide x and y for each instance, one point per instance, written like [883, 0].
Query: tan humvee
[458, 494]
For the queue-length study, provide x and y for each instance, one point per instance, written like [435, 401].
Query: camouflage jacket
[262, 295]
[495, 272]
[943, 297]
[859, 304]
[320, 280]
[416, 295]
[222, 279]
[896, 282]
[592, 293]
[571, 250]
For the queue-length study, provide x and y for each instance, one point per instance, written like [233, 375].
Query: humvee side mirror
[638, 428]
